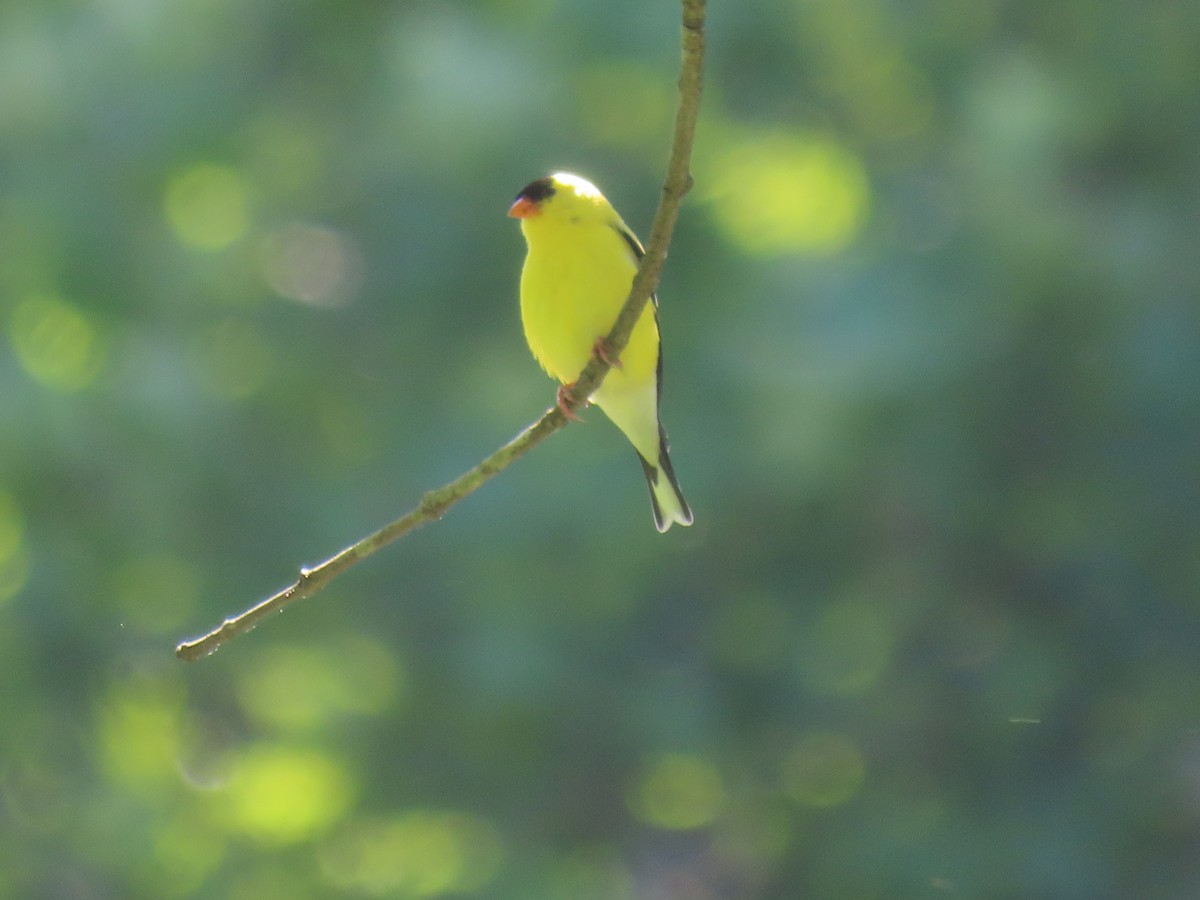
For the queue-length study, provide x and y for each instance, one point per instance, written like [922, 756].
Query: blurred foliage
[932, 380]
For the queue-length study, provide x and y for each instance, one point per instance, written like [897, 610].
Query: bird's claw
[600, 351]
[566, 397]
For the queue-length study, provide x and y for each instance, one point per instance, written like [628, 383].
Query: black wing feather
[638, 252]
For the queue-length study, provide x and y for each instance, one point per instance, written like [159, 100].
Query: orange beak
[524, 208]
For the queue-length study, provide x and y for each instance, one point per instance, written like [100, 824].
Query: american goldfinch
[577, 275]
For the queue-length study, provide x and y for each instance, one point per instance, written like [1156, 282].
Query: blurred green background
[933, 387]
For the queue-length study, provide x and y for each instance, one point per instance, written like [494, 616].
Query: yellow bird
[577, 275]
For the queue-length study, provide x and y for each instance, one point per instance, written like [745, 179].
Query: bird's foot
[600, 351]
[566, 397]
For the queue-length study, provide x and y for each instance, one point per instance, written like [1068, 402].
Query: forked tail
[665, 496]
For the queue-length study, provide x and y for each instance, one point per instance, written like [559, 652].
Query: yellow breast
[575, 279]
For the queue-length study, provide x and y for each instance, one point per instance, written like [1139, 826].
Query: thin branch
[434, 504]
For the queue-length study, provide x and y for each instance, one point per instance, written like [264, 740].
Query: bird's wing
[638, 252]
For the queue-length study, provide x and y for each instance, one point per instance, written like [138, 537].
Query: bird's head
[561, 196]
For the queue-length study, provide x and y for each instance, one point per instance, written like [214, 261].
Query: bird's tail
[665, 496]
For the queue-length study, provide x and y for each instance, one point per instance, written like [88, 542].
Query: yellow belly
[573, 284]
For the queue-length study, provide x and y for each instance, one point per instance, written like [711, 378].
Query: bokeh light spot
[311, 264]
[423, 853]
[847, 651]
[754, 633]
[285, 150]
[56, 343]
[187, 850]
[782, 193]
[304, 686]
[349, 430]
[36, 795]
[890, 97]
[591, 873]
[33, 72]
[234, 358]
[14, 556]
[14, 573]
[624, 104]
[679, 792]
[271, 879]
[823, 770]
[206, 206]
[757, 826]
[139, 727]
[281, 795]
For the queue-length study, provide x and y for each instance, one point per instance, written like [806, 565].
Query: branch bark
[435, 503]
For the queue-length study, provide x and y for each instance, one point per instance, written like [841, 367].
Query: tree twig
[435, 503]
